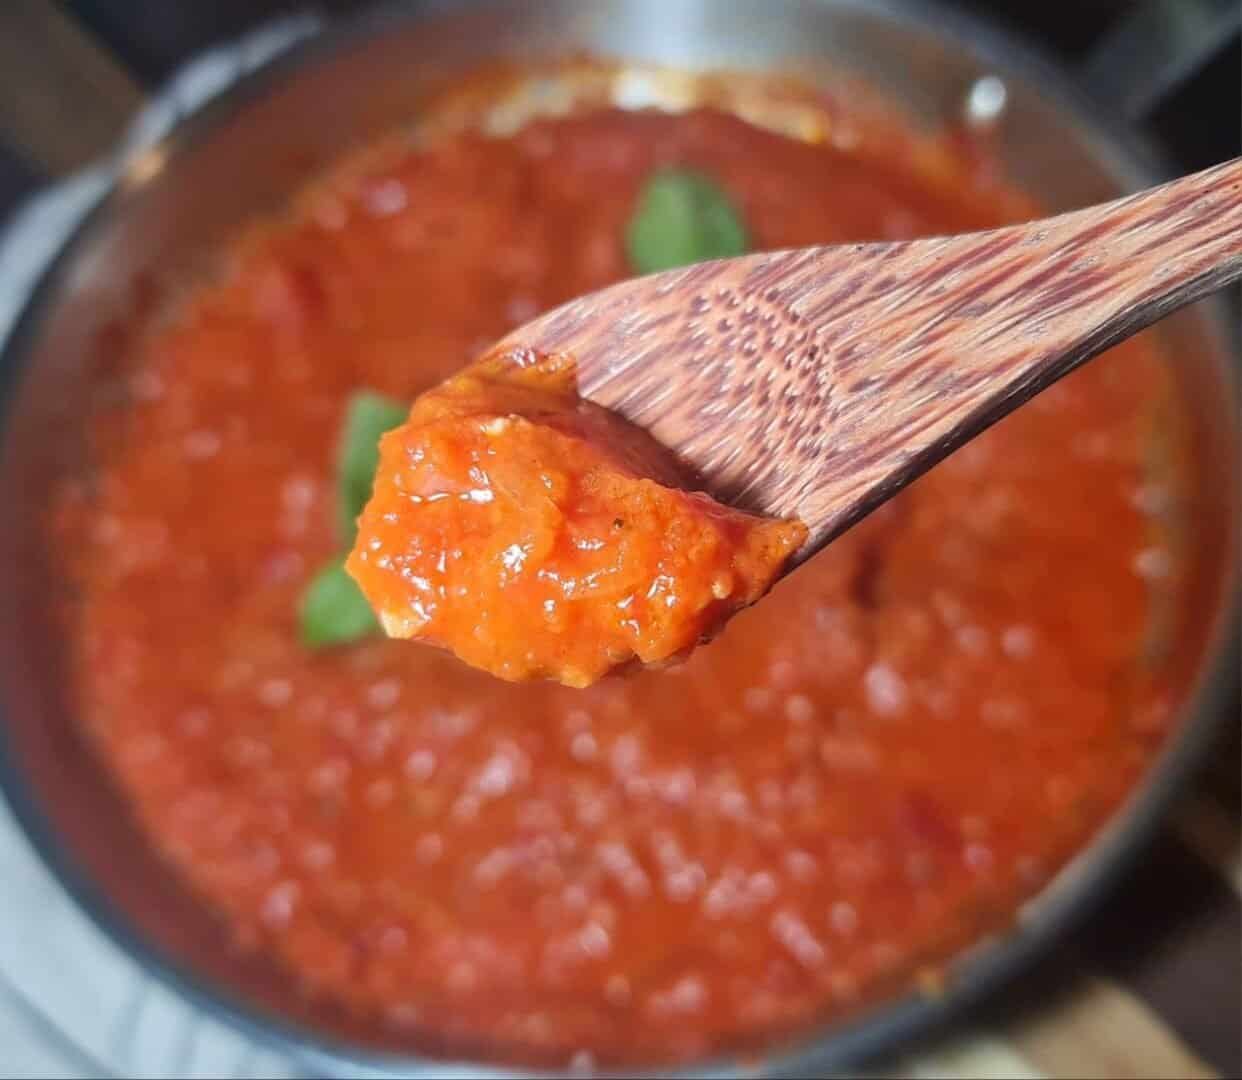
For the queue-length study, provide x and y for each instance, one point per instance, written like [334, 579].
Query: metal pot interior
[245, 153]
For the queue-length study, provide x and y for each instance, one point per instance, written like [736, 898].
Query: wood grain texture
[1100, 1030]
[817, 382]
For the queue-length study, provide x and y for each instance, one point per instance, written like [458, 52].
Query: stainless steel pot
[246, 151]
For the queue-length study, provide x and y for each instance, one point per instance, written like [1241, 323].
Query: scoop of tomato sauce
[536, 534]
[858, 776]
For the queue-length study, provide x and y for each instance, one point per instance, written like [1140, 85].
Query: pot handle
[1153, 49]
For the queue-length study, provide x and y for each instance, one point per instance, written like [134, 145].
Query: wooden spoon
[818, 382]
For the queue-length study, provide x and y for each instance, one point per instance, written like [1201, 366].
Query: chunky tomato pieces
[525, 529]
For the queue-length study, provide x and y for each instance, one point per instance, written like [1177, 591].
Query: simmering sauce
[861, 774]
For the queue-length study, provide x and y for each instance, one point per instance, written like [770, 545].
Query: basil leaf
[333, 610]
[682, 217]
[369, 415]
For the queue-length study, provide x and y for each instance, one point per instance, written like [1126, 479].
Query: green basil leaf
[682, 217]
[333, 610]
[368, 416]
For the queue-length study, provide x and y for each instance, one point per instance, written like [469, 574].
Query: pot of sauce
[248, 151]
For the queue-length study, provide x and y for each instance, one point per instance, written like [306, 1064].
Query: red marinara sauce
[863, 773]
[536, 534]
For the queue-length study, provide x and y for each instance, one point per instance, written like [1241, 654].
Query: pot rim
[1078, 888]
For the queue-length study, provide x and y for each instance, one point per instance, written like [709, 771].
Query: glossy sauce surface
[539, 536]
[861, 774]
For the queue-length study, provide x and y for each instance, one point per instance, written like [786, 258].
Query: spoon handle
[816, 382]
[1086, 280]
[924, 345]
